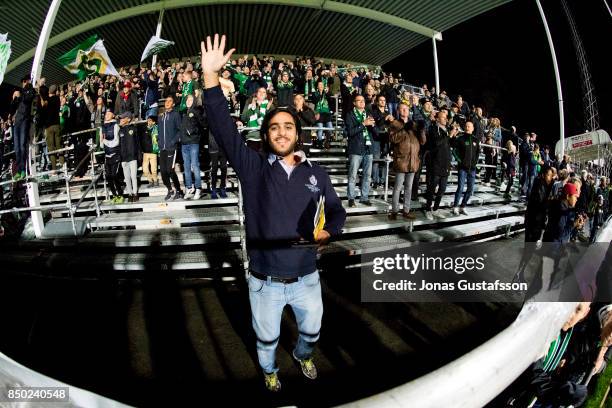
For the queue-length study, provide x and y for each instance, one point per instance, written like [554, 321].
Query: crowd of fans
[380, 118]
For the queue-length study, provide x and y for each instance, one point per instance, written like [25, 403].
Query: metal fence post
[243, 250]
[94, 180]
[387, 161]
[69, 203]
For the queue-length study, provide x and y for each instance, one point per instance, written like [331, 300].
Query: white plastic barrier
[13, 374]
[480, 375]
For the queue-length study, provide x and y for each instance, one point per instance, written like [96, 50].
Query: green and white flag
[5, 54]
[155, 46]
[87, 58]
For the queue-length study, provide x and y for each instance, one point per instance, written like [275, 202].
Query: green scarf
[307, 88]
[282, 85]
[360, 118]
[322, 104]
[186, 90]
[153, 132]
[256, 115]
[537, 158]
[268, 78]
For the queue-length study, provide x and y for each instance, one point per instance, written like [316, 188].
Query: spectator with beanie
[130, 147]
[359, 131]
[112, 156]
[467, 150]
[150, 149]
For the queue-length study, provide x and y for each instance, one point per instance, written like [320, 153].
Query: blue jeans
[320, 132]
[152, 111]
[392, 106]
[471, 176]
[268, 299]
[379, 169]
[21, 136]
[355, 162]
[524, 180]
[191, 161]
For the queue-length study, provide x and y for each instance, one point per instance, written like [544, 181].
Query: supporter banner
[154, 47]
[89, 57]
[5, 54]
[486, 272]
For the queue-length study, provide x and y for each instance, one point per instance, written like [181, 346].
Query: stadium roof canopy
[366, 31]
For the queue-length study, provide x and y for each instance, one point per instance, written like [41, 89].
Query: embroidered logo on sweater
[313, 184]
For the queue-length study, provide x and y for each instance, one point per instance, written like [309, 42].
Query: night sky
[501, 60]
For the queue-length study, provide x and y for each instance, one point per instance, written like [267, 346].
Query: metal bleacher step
[152, 256]
[154, 203]
[368, 223]
[164, 219]
[389, 242]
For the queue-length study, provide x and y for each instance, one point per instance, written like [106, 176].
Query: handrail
[87, 190]
[83, 160]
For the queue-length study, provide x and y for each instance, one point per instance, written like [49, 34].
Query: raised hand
[213, 57]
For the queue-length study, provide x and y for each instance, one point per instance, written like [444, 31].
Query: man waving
[281, 189]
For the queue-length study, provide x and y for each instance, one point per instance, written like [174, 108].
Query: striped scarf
[256, 115]
[322, 104]
[283, 85]
[556, 351]
[268, 78]
[360, 118]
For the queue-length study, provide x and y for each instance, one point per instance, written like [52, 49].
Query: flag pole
[39, 56]
[43, 39]
[158, 34]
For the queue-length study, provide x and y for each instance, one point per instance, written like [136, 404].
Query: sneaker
[462, 211]
[169, 196]
[213, 193]
[408, 215]
[130, 198]
[429, 215]
[455, 211]
[222, 193]
[351, 203]
[135, 198]
[438, 214]
[120, 200]
[308, 367]
[392, 216]
[272, 382]
[366, 202]
[178, 195]
[189, 193]
[198, 194]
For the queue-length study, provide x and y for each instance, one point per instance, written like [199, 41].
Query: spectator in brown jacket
[405, 145]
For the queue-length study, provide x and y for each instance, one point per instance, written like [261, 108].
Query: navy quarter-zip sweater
[279, 210]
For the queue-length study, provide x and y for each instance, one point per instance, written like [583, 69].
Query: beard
[284, 152]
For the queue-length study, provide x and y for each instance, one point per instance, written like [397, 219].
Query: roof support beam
[329, 5]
